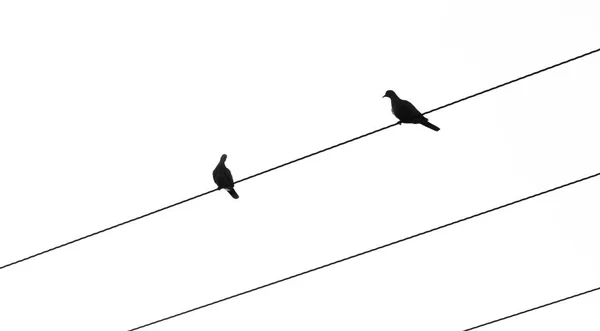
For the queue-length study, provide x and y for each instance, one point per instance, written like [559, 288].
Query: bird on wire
[223, 178]
[406, 112]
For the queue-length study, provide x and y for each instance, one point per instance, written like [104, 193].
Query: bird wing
[412, 110]
[228, 176]
[216, 175]
[222, 176]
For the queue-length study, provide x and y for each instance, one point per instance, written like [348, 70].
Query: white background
[112, 109]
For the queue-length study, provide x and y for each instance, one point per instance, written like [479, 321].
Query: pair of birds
[402, 109]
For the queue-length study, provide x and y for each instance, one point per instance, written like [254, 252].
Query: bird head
[223, 157]
[389, 94]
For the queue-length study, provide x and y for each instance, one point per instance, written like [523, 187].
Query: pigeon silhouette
[406, 112]
[223, 178]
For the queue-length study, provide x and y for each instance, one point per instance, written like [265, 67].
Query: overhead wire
[293, 161]
[367, 251]
[514, 80]
[431, 111]
[532, 309]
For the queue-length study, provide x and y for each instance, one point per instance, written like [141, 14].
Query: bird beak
[384, 96]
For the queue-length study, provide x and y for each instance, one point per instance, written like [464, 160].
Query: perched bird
[406, 112]
[223, 178]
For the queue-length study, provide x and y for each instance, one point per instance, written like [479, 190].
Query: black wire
[189, 199]
[532, 309]
[514, 80]
[296, 160]
[104, 230]
[315, 153]
[431, 111]
[367, 251]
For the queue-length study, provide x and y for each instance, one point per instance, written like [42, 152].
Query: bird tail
[233, 193]
[429, 125]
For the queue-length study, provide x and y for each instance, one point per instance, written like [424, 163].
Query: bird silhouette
[406, 112]
[223, 178]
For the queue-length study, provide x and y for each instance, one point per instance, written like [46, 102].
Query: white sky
[112, 109]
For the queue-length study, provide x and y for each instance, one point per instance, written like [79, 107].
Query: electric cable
[367, 251]
[293, 161]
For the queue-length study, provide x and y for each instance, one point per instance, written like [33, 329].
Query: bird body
[223, 178]
[406, 112]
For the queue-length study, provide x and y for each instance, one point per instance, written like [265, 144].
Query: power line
[318, 152]
[104, 230]
[187, 200]
[532, 309]
[431, 111]
[367, 251]
[514, 80]
[296, 160]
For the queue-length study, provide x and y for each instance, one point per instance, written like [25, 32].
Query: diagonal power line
[367, 251]
[532, 309]
[298, 159]
[107, 229]
[514, 80]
